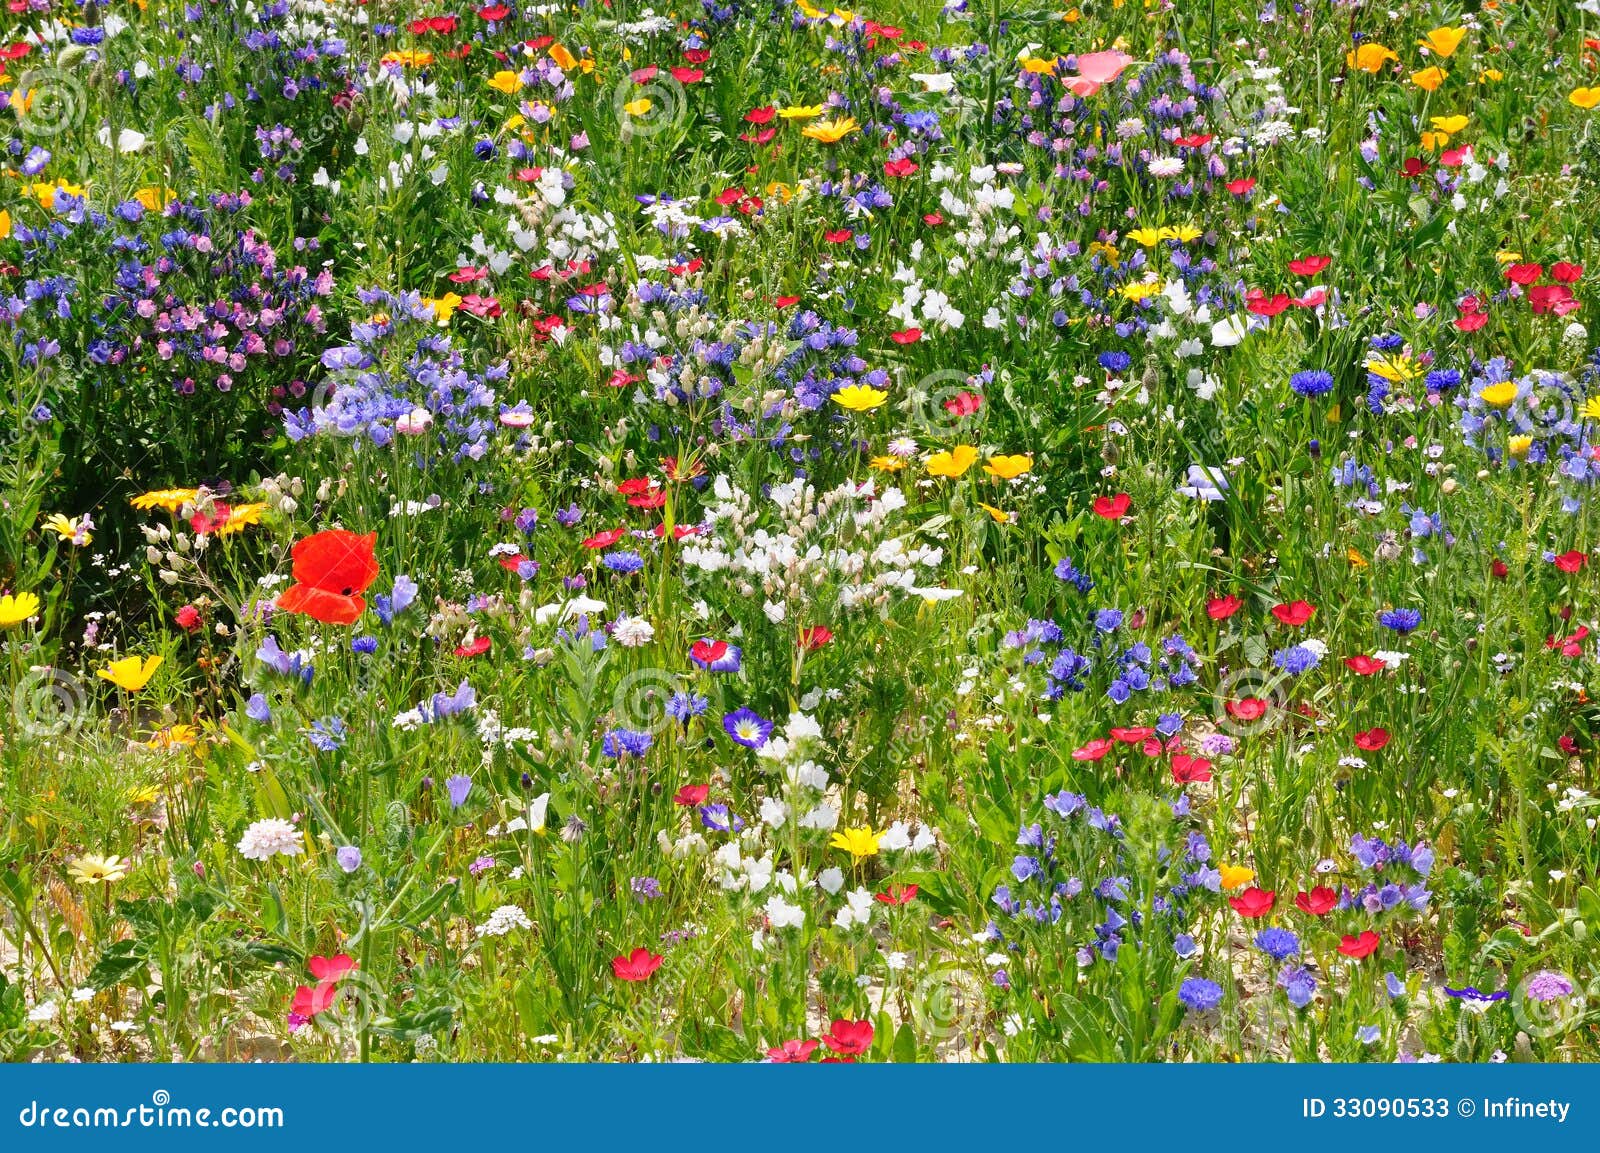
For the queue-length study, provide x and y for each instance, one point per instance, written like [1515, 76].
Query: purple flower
[1298, 985]
[458, 786]
[349, 858]
[1549, 986]
[746, 728]
[1199, 994]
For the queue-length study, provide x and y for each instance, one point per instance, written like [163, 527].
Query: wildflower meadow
[645, 530]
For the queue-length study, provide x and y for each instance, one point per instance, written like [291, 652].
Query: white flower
[935, 81]
[633, 632]
[1166, 166]
[269, 837]
[44, 1011]
[831, 880]
[503, 920]
[782, 914]
[857, 909]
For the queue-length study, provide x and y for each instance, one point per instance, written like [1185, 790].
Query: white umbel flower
[503, 920]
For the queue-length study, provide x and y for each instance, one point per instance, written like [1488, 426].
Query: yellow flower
[241, 517]
[444, 307]
[45, 194]
[859, 843]
[1591, 408]
[887, 463]
[75, 530]
[5, 224]
[800, 111]
[14, 610]
[1235, 876]
[638, 107]
[1443, 41]
[1369, 58]
[1039, 64]
[155, 199]
[1139, 290]
[1145, 237]
[1008, 467]
[1499, 395]
[407, 58]
[563, 58]
[1585, 97]
[1396, 369]
[1433, 141]
[174, 737]
[91, 870]
[1450, 124]
[506, 81]
[1518, 446]
[1000, 515]
[130, 674]
[831, 131]
[954, 463]
[860, 397]
[1429, 79]
[1099, 247]
[1182, 233]
[171, 499]
[1356, 559]
[1491, 76]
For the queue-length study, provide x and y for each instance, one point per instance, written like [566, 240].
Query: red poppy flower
[761, 115]
[494, 12]
[331, 570]
[1364, 665]
[1319, 902]
[1455, 157]
[1132, 736]
[1471, 321]
[1524, 274]
[1197, 141]
[795, 1052]
[899, 168]
[687, 75]
[331, 968]
[187, 618]
[849, 1038]
[1359, 947]
[1221, 608]
[1309, 265]
[963, 404]
[691, 795]
[906, 336]
[1112, 507]
[813, 638]
[1190, 770]
[1294, 614]
[1254, 902]
[1498, 570]
[838, 236]
[697, 55]
[636, 966]
[786, 301]
[1556, 298]
[1241, 187]
[1571, 561]
[605, 539]
[475, 648]
[1566, 273]
[310, 1000]
[1372, 740]
[1094, 750]
[1261, 304]
[1248, 709]
[903, 895]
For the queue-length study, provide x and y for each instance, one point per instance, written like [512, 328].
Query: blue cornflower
[1296, 660]
[1400, 620]
[1312, 382]
[682, 706]
[1298, 985]
[623, 561]
[1279, 944]
[1116, 361]
[618, 743]
[1199, 994]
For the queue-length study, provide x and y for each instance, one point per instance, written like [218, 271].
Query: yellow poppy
[1491, 76]
[800, 111]
[1584, 97]
[1039, 65]
[1370, 58]
[506, 81]
[1433, 141]
[130, 674]
[155, 199]
[1235, 876]
[1499, 395]
[1450, 124]
[638, 107]
[952, 464]
[1000, 515]
[171, 499]
[859, 843]
[444, 307]
[1008, 467]
[5, 224]
[1429, 79]
[886, 463]
[563, 58]
[1443, 41]
[17, 608]
[860, 397]
[832, 130]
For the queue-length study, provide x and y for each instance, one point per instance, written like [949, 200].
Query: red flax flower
[1247, 709]
[902, 895]
[1570, 561]
[1190, 770]
[1309, 265]
[310, 1000]
[1092, 751]
[331, 570]
[1319, 902]
[1358, 947]
[814, 637]
[1221, 608]
[1364, 666]
[1372, 740]
[1254, 902]
[636, 966]
[691, 795]
[1294, 614]
[794, 1052]
[1112, 507]
[849, 1038]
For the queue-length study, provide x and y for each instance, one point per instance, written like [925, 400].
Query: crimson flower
[605, 539]
[1294, 614]
[813, 638]
[1319, 902]
[1247, 709]
[1133, 736]
[903, 895]
[1093, 751]
[1221, 608]
[1112, 507]
[1571, 561]
[475, 648]
[1372, 739]
[691, 795]
[1364, 666]
[1524, 274]
[963, 404]
[1359, 947]
[794, 1052]
[1188, 770]
[1254, 902]
[636, 966]
[849, 1038]
[907, 336]
[1309, 265]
